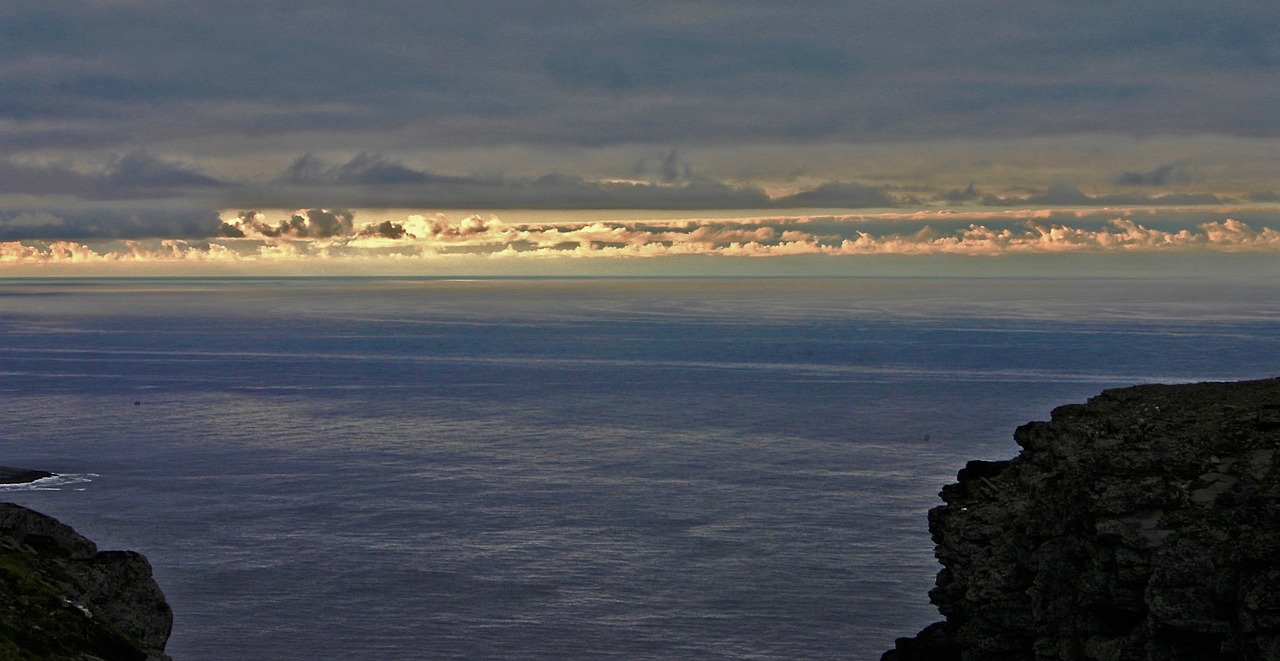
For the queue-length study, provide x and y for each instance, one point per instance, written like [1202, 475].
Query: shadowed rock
[1142, 525]
[10, 475]
[60, 598]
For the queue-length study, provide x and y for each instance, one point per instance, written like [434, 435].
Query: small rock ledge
[60, 598]
[1142, 525]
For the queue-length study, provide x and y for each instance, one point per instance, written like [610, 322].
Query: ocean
[562, 468]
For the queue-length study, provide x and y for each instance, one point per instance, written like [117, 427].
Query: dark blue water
[423, 468]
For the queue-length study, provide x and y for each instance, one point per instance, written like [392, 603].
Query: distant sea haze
[562, 468]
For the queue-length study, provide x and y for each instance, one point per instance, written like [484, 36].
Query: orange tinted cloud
[315, 235]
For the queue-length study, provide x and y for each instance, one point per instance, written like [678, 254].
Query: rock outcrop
[1144, 524]
[60, 598]
[11, 475]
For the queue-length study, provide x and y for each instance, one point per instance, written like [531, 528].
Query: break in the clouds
[334, 236]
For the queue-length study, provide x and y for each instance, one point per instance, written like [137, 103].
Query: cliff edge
[1144, 524]
[61, 598]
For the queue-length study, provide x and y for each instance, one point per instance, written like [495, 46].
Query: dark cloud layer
[1164, 175]
[133, 175]
[592, 72]
[108, 222]
[141, 195]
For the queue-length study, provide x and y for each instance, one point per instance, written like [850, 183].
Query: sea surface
[422, 468]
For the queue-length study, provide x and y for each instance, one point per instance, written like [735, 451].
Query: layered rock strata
[61, 598]
[1144, 524]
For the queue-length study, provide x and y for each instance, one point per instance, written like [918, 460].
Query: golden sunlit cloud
[318, 235]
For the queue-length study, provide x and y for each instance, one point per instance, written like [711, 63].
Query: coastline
[11, 475]
[1141, 524]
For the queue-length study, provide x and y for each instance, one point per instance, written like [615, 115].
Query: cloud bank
[124, 125]
[316, 235]
[136, 185]
[87, 73]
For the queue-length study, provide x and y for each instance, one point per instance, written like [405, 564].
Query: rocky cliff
[1144, 524]
[61, 598]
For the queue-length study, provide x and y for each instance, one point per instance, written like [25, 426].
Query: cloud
[130, 251]
[308, 223]
[315, 235]
[604, 241]
[134, 121]
[133, 175]
[1164, 175]
[656, 55]
[1061, 194]
[666, 182]
[669, 167]
[568, 73]
[139, 194]
[104, 223]
[45, 179]
[386, 230]
[371, 180]
[363, 169]
[839, 194]
[1231, 233]
[139, 174]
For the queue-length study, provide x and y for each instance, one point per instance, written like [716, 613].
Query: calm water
[401, 468]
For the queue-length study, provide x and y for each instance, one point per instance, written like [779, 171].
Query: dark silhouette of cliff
[1142, 525]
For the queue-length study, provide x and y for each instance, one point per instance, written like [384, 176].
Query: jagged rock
[1142, 525]
[60, 598]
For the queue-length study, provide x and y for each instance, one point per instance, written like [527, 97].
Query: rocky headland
[1144, 524]
[61, 598]
[11, 475]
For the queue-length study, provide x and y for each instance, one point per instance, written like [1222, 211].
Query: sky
[575, 136]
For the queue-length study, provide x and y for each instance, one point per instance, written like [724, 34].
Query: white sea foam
[53, 483]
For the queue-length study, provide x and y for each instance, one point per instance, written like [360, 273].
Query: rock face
[60, 598]
[1144, 524]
